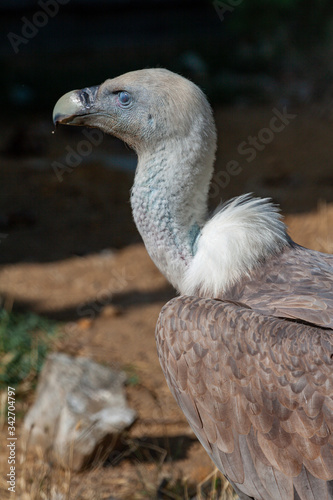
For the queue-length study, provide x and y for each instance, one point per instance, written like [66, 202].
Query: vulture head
[144, 108]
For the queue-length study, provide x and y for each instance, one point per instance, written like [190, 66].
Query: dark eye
[124, 98]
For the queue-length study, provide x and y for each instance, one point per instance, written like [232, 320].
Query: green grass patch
[24, 342]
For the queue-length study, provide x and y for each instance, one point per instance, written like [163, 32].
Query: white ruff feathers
[239, 236]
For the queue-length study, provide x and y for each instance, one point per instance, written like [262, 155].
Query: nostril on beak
[88, 96]
[85, 98]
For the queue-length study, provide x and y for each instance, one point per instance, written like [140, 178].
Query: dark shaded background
[87, 41]
[250, 59]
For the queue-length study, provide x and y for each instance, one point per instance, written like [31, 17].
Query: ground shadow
[151, 449]
[125, 301]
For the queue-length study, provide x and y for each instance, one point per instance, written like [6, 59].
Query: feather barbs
[238, 237]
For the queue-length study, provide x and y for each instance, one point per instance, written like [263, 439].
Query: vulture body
[247, 349]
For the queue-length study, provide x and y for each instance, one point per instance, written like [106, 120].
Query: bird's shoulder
[296, 283]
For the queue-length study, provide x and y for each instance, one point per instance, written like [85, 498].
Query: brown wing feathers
[298, 283]
[257, 392]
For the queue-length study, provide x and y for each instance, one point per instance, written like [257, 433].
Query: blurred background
[74, 275]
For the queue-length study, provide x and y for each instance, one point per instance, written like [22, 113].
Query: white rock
[80, 409]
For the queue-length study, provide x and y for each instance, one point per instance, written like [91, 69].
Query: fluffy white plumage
[234, 241]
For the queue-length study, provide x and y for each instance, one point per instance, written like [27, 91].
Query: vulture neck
[169, 198]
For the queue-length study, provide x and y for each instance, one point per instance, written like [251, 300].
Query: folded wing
[257, 391]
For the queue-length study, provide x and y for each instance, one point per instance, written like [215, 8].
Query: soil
[69, 250]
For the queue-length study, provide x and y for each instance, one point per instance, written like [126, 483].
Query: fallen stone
[79, 413]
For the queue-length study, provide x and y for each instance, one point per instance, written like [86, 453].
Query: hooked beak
[75, 108]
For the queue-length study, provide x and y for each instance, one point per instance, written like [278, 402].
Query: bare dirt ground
[69, 250]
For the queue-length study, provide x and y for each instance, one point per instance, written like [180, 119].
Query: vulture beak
[75, 107]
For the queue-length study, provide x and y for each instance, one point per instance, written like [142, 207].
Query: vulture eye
[124, 98]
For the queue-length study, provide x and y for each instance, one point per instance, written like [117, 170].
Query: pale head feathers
[165, 108]
[236, 240]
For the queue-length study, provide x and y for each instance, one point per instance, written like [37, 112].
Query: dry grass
[39, 479]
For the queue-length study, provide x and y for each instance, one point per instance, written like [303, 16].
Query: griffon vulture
[247, 347]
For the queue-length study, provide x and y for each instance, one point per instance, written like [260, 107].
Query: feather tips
[266, 380]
